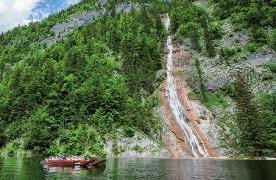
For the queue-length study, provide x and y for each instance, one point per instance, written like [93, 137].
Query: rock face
[184, 137]
[138, 146]
[240, 38]
[217, 75]
[235, 38]
[220, 76]
[209, 126]
[76, 20]
[261, 58]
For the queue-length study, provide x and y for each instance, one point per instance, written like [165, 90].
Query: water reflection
[75, 170]
[121, 169]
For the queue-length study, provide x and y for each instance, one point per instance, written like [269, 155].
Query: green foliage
[273, 39]
[81, 140]
[141, 116]
[252, 47]
[254, 129]
[203, 89]
[192, 31]
[215, 30]
[215, 99]
[227, 54]
[259, 35]
[208, 37]
[138, 149]
[271, 66]
[129, 132]
[188, 20]
[268, 104]
[62, 99]
[253, 15]
[40, 131]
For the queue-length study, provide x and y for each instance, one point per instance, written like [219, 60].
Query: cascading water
[191, 137]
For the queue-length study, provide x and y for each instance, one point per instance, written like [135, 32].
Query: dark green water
[121, 169]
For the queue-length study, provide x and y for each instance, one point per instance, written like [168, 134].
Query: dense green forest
[66, 99]
[72, 97]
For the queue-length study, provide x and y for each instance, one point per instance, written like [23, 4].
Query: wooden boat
[71, 162]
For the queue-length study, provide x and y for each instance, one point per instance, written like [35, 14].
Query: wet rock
[209, 126]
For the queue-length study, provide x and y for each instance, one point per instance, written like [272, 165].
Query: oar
[100, 161]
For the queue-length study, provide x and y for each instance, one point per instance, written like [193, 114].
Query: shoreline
[168, 158]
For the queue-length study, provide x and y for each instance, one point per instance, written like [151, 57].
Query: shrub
[259, 35]
[252, 47]
[271, 66]
[191, 30]
[40, 131]
[215, 30]
[273, 40]
[129, 132]
[80, 140]
[228, 52]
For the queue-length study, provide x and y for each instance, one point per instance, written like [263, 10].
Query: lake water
[128, 169]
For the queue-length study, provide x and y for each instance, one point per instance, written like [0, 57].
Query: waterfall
[192, 138]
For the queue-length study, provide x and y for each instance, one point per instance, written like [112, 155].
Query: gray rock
[159, 77]
[220, 76]
[238, 38]
[209, 126]
[76, 20]
[261, 57]
[227, 27]
[137, 146]
[218, 83]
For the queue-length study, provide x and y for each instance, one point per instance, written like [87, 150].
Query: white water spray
[191, 137]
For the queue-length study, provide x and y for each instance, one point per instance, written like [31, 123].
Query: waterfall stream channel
[192, 138]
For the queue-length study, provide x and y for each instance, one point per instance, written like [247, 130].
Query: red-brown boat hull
[66, 162]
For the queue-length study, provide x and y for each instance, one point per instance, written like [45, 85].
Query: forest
[59, 99]
[71, 97]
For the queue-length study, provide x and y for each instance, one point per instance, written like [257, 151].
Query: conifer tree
[201, 80]
[2, 68]
[146, 21]
[209, 44]
[253, 128]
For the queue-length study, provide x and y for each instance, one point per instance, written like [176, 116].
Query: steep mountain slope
[92, 80]
[231, 69]
[185, 137]
[88, 87]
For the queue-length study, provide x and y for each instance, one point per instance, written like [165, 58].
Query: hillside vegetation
[73, 96]
[233, 45]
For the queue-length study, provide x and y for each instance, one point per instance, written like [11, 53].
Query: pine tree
[145, 19]
[2, 68]
[209, 44]
[201, 80]
[253, 129]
